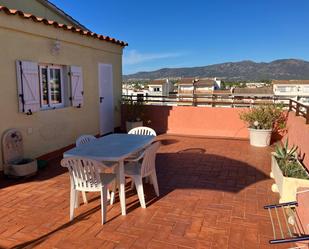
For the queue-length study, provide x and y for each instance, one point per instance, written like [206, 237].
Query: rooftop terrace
[212, 196]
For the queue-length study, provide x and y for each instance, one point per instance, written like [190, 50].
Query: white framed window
[286, 89]
[51, 86]
[43, 86]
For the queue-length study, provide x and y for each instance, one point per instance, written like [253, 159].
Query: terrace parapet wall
[219, 122]
[298, 134]
[196, 121]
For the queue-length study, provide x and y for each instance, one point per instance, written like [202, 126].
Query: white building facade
[295, 89]
[160, 87]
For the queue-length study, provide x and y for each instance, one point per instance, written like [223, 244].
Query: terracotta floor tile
[212, 196]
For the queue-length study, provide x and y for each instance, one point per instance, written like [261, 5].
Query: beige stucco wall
[53, 129]
[35, 7]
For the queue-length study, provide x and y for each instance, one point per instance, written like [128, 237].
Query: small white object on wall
[56, 47]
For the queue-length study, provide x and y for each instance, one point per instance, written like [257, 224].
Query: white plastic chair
[141, 167]
[85, 175]
[84, 139]
[142, 130]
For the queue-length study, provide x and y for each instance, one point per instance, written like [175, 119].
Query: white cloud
[133, 57]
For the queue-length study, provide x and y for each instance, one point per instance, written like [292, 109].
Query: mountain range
[234, 71]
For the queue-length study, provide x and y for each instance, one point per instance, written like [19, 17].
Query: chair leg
[132, 184]
[76, 199]
[140, 190]
[108, 194]
[154, 181]
[116, 171]
[84, 197]
[103, 203]
[112, 196]
[72, 203]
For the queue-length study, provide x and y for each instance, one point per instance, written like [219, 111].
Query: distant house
[160, 87]
[258, 92]
[190, 86]
[204, 86]
[192, 89]
[253, 95]
[297, 89]
[185, 86]
[58, 79]
[185, 89]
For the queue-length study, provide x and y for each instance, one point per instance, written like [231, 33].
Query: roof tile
[157, 82]
[257, 90]
[61, 26]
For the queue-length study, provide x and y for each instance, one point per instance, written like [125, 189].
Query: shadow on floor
[194, 169]
[166, 141]
[35, 242]
[53, 169]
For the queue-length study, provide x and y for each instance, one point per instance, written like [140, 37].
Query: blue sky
[183, 33]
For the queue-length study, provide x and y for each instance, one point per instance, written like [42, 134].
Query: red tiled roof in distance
[187, 81]
[205, 82]
[61, 26]
[157, 82]
[257, 90]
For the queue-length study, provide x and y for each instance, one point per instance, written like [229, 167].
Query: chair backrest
[84, 139]
[149, 159]
[142, 130]
[84, 173]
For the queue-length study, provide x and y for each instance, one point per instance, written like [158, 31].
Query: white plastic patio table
[114, 148]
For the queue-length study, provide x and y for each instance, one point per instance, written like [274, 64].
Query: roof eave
[63, 13]
[21, 14]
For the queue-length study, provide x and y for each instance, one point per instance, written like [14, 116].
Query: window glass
[51, 86]
[44, 86]
[55, 86]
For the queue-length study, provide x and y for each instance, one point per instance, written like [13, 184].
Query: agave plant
[287, 161]
[284, 153]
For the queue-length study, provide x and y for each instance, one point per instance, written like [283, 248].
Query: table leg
[122, 193]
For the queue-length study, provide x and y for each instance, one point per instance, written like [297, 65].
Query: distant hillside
[235, 71]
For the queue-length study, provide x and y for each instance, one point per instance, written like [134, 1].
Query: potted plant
[288, 172]
[262, 121]
[134, 114]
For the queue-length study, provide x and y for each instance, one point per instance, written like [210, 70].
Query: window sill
[53, 108]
